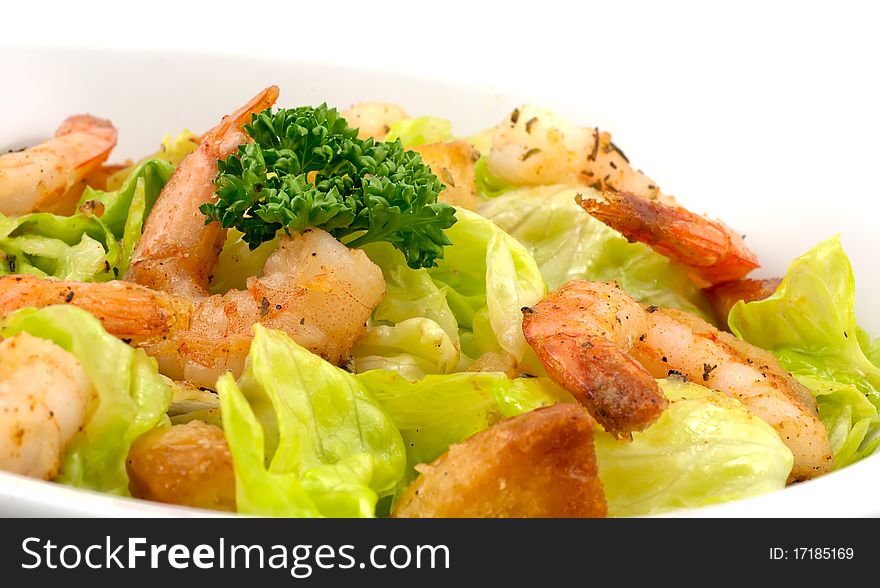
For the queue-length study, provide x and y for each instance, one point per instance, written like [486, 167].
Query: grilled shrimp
[534, 146]
[373, 119]
[583, 333]
[665, 341]
[133, 313]
[46, 177]
[177, 250]
[44, 396]
[314, 288]
[712, 251]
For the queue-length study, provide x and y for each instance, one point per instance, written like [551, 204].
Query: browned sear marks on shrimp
[538, 464]
[582, 333]
[712, 251]
[665, 341]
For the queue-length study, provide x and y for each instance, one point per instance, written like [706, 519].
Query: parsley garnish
[307, 168]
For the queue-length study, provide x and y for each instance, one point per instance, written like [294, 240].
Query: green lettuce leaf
[474, 296]
[88, 246]
[78, 247]
[440, 410]
[412, 329]
[413, 348]
[570, 244]
[131, 395]
[809, 324]
[705, 448]
[488, 184]
[489, 277]
[306, 437]
[420, 130]
[148, 178]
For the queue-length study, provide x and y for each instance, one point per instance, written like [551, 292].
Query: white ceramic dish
[773, 194]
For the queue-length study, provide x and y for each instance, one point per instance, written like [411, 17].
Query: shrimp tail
[723, 296]
[51, 176]
[177, 249]
[133, 313]
[712, 251]
[617, 390]
[242, 116]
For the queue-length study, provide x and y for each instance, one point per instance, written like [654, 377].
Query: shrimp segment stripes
[663, 341]
[582, 333]
[49, 176]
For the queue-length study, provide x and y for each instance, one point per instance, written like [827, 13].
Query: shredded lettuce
[94, 244]
[809, 324]
[440, 410]
[306, 437]
[705, 448]
[420, 130]
[131, 395]
[570, 244]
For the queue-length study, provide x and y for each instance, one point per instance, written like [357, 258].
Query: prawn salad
[308, 312]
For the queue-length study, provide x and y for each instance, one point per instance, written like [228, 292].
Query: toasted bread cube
[539, 464]
[188, 465]
[453, 163]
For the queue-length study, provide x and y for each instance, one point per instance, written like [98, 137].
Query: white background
[775, 100]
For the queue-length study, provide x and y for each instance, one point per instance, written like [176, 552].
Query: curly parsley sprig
[307, 168]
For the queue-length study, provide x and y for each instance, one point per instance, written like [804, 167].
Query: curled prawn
[534, 146]
[584, 324]
[712, 251]
[48, 176]
[177, 250]
[313, 287]
[44, 396]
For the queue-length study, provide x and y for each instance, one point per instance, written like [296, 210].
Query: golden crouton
[453, 163]
[189, 465]
[539, 464]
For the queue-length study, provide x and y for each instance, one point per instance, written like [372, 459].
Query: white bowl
[785, 193]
